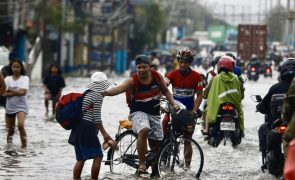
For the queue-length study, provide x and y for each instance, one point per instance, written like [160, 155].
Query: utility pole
[259, 10]
[233, 13]
[90, 4]
[265, 12]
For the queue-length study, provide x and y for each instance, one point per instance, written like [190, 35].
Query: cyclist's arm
[125, 86]
[165, 91]
[198, 100]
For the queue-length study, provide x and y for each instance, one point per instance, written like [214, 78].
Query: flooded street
[49, 156]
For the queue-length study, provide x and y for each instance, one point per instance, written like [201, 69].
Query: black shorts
[11, 115]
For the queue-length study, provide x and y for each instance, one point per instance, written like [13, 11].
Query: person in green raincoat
[225, 87]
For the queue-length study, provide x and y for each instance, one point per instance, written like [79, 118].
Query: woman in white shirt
[17, 85]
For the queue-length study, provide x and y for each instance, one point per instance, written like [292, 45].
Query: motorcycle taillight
[281, 129]
[227, 107]
[253, 69]
[267, 70]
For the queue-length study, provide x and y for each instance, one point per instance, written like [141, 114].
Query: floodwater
[49, 156]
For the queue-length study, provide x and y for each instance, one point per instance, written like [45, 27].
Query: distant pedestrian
[4, 73]
[53, 85]
[132, 67]
[84, 136]
[155, 62]
[17, 85]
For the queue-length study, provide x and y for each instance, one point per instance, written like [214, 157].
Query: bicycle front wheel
[183, 157]
[126, 158]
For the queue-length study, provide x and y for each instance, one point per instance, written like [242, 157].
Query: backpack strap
[89, 107]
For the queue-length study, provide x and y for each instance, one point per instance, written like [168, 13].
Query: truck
[252, 41]
[224, 36]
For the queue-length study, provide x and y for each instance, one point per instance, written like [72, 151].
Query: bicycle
[169, 158]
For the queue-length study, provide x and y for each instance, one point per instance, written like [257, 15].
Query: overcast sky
[241, 11]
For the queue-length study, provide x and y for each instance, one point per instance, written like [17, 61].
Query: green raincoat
[225, 87]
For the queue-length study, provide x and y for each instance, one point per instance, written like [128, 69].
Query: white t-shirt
[16, 104]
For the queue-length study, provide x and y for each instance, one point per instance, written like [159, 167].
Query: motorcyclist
[287, 72]
[237, 69]
[289, 116]
[254, 62]
[212, 72]
[225, 87]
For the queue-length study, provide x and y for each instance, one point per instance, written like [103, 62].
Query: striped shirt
[93, 114]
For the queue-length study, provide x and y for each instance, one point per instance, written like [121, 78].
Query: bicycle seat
[125, 124]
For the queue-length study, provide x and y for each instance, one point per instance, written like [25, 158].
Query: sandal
[141, 171]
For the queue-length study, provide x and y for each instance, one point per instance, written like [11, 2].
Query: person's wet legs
[10, 125]
[142, 147]
[153, 145]
[21, 127]
[54, 101]
[46, 106]
[78, 170]
[95, 168]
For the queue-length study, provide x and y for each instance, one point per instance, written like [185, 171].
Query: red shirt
[184, 87]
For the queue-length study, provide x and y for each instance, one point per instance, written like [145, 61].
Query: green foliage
[58, 17]
[149, 22]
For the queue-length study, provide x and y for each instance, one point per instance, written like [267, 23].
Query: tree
[276, 22]
[149, 23]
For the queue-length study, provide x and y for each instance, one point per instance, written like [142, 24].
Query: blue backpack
[68, 110]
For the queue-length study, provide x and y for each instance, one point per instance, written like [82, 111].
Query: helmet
[231, 55]
[226, 62]
[287, 68]
[185, 55]
[216, 58]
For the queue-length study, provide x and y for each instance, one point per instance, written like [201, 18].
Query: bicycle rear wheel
[126, 158]
[182, 157]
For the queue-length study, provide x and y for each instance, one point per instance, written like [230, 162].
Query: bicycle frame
[152, 155]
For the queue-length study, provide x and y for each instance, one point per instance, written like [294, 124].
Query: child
[17, 85]
[53, 85]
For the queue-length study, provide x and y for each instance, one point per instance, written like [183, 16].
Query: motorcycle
[253, 73]
[271, 148]
[226, 127]
[267, 71]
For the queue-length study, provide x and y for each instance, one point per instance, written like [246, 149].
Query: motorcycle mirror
[256, 98]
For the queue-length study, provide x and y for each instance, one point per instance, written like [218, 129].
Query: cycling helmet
[215, 60]
[287, 68]
[185, 55]
[226, 62]
[231, 55]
